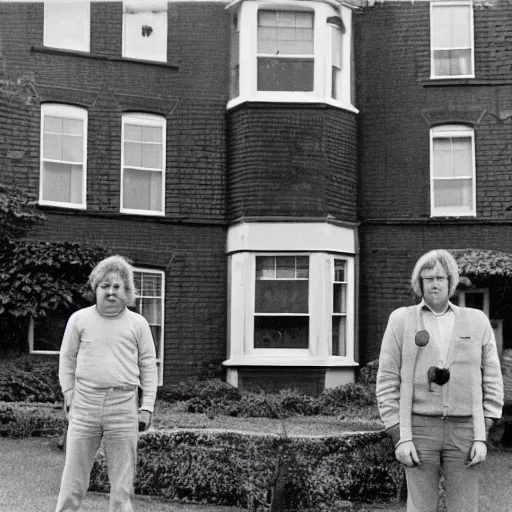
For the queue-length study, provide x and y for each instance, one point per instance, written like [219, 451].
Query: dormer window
[298, 51]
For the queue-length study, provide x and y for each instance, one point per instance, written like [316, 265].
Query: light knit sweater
[106, 351]
[475, 388]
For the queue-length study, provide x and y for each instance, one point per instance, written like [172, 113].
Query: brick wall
[191, 92]
[399, 105]
[292, 161]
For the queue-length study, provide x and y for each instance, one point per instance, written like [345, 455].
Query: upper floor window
[285, 50]
[452, 171]
[145, 29]
[67, 24]
[143, 164]
[63, 156]
[298, 51]
[451, 39]
[149, 302]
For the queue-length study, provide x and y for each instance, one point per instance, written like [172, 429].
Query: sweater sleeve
[68, 354]
[388, 374]
[147, 366]
[492, 380]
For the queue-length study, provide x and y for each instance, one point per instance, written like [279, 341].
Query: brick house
[272, 169]
[434, 91]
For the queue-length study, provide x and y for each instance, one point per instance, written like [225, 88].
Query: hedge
[250, 470]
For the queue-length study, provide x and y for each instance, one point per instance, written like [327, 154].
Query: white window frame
[149, 5]
[453, 131]
[246, 13]
[461, 294]
[83, 19]
[161, 344]
[324, 244]
[152, 121]
[65, 112]
[438, 4]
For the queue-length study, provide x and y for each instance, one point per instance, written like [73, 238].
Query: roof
[483, 262]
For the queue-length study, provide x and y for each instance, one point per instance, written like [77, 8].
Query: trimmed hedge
[240, 469]
[25, 378]
[20, 421]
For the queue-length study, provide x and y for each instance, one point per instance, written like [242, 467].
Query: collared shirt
[440, 327]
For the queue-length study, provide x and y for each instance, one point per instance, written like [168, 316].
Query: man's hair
[428, 262]
[114, 264]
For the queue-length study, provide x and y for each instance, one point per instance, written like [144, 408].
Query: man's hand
[68, 399]
[144, 420]
[478, 453]
[407, 455]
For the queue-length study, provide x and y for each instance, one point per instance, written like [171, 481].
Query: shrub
[30, 379]
[238, 469]
[350, 396]
[24, 421]
[368, 374]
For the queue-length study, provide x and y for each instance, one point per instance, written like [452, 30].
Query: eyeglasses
[430, 280]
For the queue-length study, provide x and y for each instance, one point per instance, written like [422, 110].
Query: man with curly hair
[107, 353]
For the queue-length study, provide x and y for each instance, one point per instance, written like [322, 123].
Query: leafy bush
[368, 373]
[242, 470]
[24, 421]
[217, 397]
[25, 378]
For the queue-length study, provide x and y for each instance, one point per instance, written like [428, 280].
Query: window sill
[291, 361]
[99, 56]
[64, 206]
[448, 82]
[284, 99]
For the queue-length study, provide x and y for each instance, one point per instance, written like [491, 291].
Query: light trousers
[442, 442]
[111, 414]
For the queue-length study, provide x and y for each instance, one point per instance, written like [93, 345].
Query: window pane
[339, 270]
[52, 124]
[287, 296]
[152, 134]
[48, 332]
[450, 193]
[67, 24]
[133, 154]
[72, 148]
[151, 310]
[285, 74]
[339, 300]
[73, 126]
[281, 332]
[151, 285]
[285, 267]
[52, 146]
[142, 190]
[133, 132]
[462, 156]
[339, 337]
[461, 23]
[152, 156]
[302, 267]
[265, 267]
[452, 62]
[443, 158]
[156, 331]
[62, 182]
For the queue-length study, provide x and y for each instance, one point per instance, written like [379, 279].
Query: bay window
[298, 51]
[291, 296]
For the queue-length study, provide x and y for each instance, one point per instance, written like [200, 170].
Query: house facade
[434, 90]
[273, 169]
